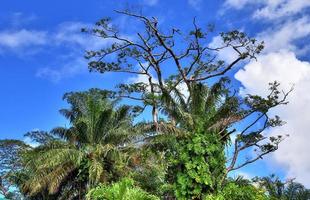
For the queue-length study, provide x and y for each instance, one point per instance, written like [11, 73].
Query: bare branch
[219, 73]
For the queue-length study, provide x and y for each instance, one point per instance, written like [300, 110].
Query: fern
[123, 190]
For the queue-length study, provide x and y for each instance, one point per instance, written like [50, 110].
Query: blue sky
[41, 58]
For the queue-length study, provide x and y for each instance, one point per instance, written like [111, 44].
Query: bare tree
[151, 52]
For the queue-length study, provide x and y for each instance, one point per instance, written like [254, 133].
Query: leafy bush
[199, 163]
[123, 190]
[232, 191]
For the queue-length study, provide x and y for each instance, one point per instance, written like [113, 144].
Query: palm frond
[96, 171]
[57, 176]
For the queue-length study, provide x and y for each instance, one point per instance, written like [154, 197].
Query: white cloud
[22, 38]
[67, 34]
[271, 9]
[237, 4]
[182, 87]
[284, 67]
[16, 39]
[70, 33]
[195, 4]
[284, 35]
[66, 70]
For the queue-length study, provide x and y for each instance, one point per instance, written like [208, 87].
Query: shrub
[232, 191]
[122, 190]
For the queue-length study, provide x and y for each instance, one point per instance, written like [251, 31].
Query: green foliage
[198, 163]
[233, 191]
[197, 159]
[122, 190]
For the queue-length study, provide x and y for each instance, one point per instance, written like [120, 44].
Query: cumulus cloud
[284, 67]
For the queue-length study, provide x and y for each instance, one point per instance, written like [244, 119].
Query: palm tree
[278, 190]
[92, 150]
[273, 185]
[296, 191]
[210, 109]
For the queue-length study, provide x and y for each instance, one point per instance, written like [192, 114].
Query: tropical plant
[91, 151]
[296, 191]
[278, 190]
[122, 190]
[233, 191]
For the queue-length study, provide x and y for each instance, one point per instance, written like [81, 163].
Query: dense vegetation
[181, 153]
